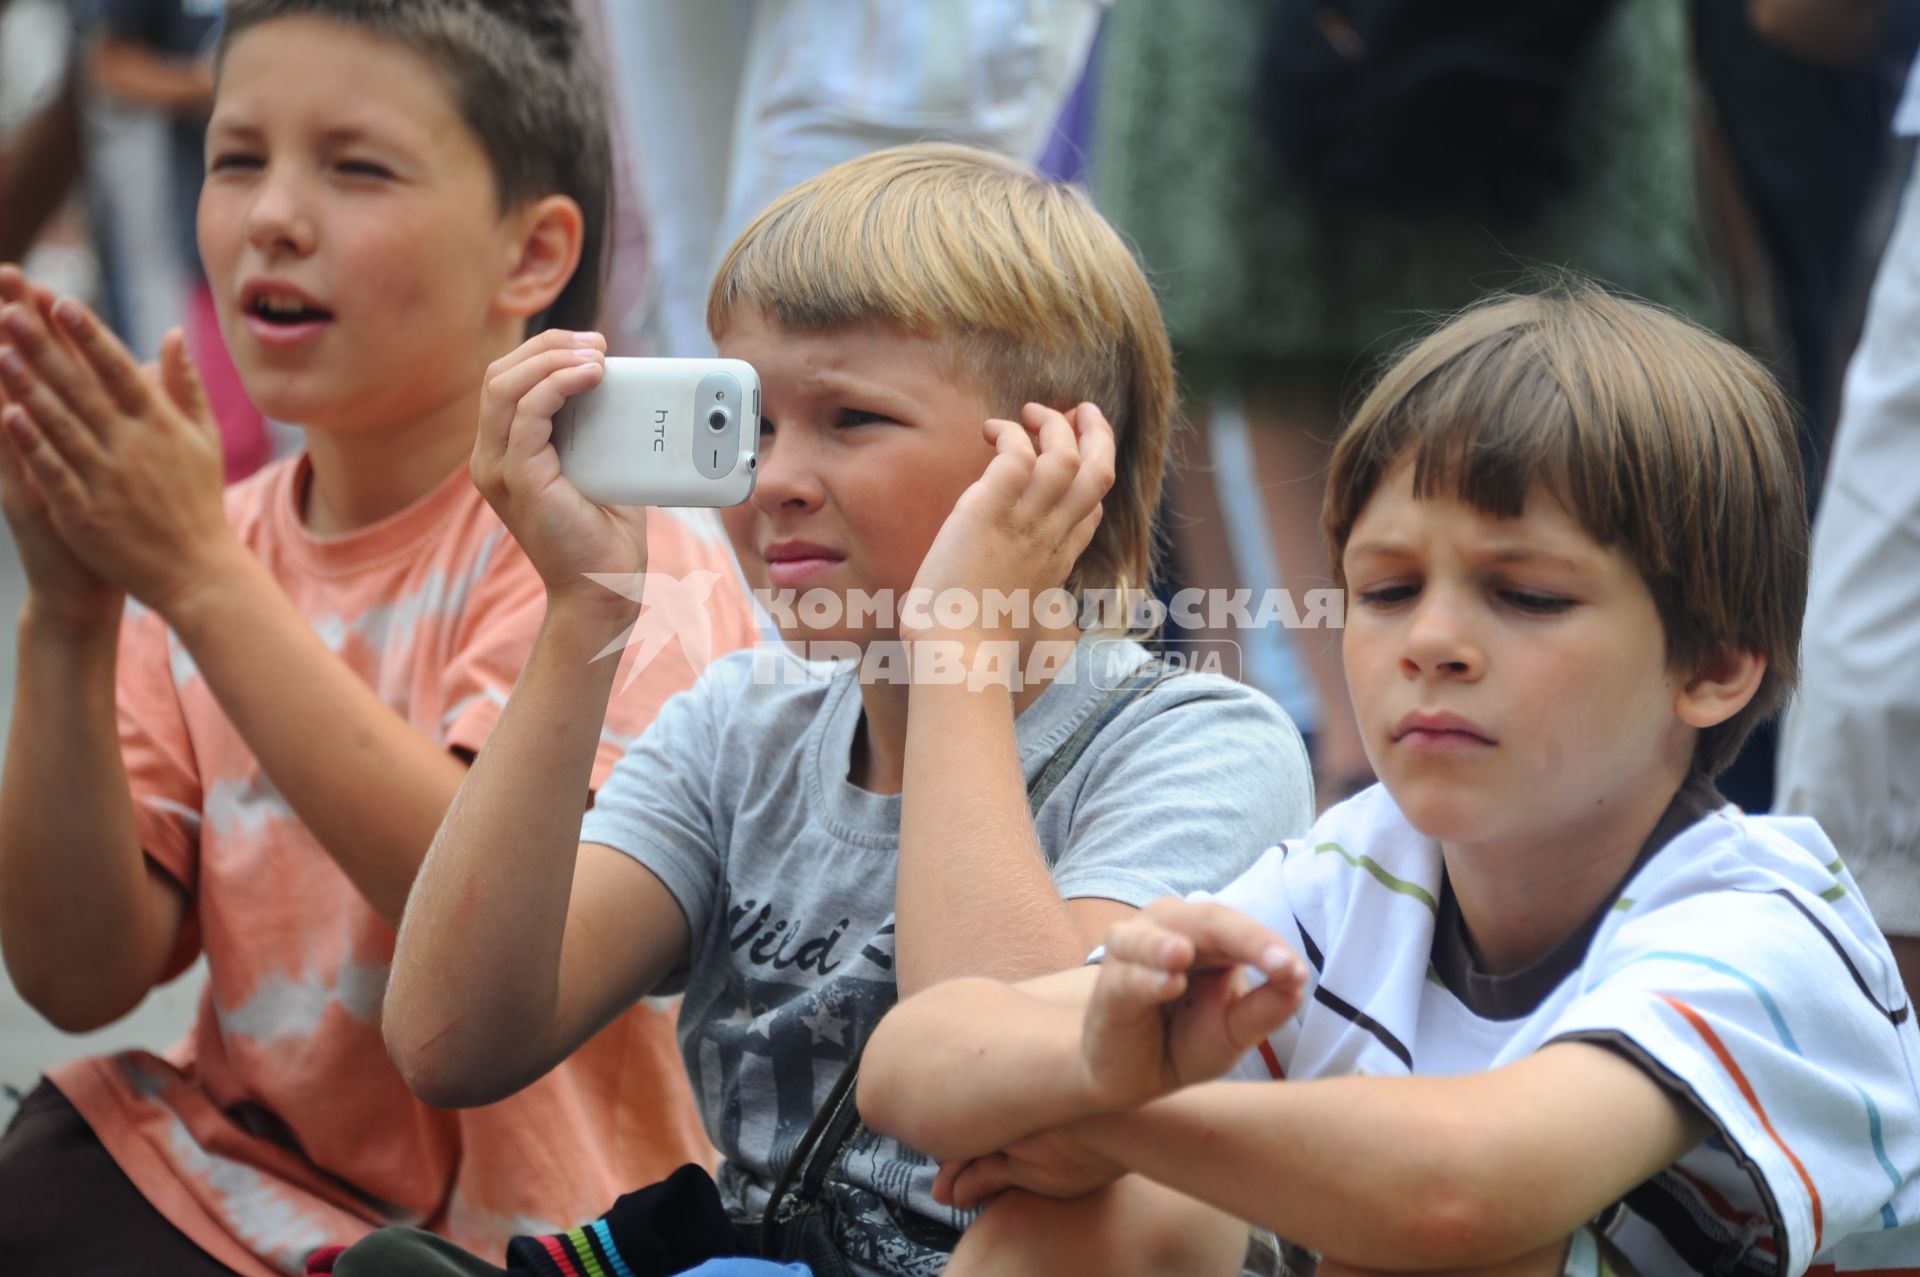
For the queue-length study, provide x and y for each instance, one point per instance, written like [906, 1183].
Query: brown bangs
[1658, 437]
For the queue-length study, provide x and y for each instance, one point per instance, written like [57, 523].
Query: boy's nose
[277, 221]
[786, 478]
[1439, 641]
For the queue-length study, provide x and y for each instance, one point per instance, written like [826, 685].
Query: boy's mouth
[276, 308]
[279, 310]
[792, 564]
[1437, 730]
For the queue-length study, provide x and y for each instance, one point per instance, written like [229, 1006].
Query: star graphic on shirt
[672, 609]
[826, 1027]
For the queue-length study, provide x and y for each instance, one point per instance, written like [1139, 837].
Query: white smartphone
[674, 432]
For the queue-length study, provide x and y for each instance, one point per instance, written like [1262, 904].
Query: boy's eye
[227, 160]
[859, 417]
[1387, 595]
[364, 168]
[1539, 604]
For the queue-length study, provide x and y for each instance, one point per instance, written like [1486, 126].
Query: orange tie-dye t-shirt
[279, 1125]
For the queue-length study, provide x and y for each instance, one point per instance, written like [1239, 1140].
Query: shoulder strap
[805, 1173]
[1151, 673]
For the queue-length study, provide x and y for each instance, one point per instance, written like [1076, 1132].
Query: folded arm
[1415, 1173]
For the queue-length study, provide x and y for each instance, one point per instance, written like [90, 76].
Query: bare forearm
[466, 1013]
[1411, 1172]
[38, 163]
[84, 925]
[972, 1066]
[376, 794]
[136, 73]
[974, 894]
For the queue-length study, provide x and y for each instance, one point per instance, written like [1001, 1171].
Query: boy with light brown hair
[1542, 1002]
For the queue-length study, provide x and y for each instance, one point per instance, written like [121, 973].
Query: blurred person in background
[154, 56]
[39, 132]
[1850, 746]
[724, 104]
[1307, 181]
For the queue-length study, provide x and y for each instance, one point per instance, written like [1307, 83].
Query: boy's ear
[1721, 688]
[543, 251]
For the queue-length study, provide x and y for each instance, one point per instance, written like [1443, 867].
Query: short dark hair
[521, 77]
[1659, 437]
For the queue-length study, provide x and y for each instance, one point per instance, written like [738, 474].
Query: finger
[49, 414]
[14, 285]
[1142, 940]
[981, 1180]
[532, 430]
[1058, 456]
[1126, 984]
[1082, 534]
[1221, 935]
[511, 380]
[181, 380]
[943, 1182]
[16, 485]
[111, 364]
[49, 470]
[54, 365]
[1098, 449]
[1006, 475]
[541, 345]
[45, 299]
[1258, 1013]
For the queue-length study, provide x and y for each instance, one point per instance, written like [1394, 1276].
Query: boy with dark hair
[250, 760]
[1561, 1009]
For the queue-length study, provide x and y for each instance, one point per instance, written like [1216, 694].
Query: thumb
[182, 380]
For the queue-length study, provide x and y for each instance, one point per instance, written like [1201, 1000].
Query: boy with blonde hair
[1542, 1001]
[792, 846]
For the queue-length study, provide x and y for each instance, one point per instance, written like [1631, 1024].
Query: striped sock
[655, 1231]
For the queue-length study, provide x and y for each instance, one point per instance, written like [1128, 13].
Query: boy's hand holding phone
[1172, 1006]
[124, 466]
[1022, 525]
[517, 469]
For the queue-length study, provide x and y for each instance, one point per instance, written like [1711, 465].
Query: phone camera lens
[717, 419]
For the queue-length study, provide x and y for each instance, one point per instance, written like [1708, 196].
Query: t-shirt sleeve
[1193, 789]
[657, 805]
[497, 626]
[162, 773]
[1788, 1033]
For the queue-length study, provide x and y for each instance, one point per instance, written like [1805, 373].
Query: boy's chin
[1444, 811]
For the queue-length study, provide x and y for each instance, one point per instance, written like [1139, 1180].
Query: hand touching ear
[1026, 521]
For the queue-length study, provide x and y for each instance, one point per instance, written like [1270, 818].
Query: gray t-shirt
[737, 797]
